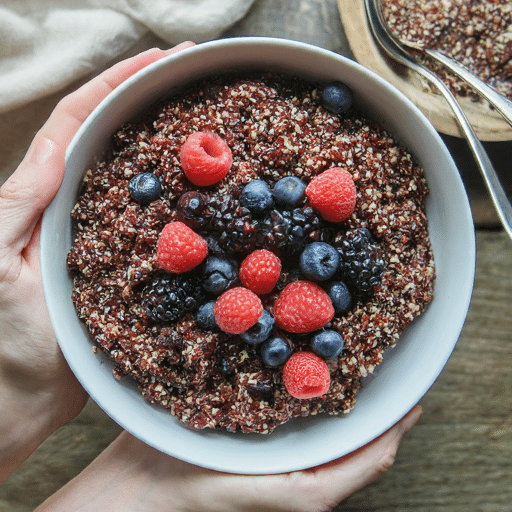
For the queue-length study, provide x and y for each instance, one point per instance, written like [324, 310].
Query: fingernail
[43, 151]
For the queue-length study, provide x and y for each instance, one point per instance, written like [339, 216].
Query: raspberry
[306, 375]
[303, 307]
[179, 248]
[333, 194]
[260, 271]
[205, 158]
[237, 310]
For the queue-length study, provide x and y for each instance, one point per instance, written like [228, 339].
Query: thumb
[28, 191]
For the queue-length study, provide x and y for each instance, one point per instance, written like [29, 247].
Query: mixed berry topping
[205, 158]
[337, 97]
[180, 249]
[145, 188]
[260, 271]
[333, 194]
[302, 307]
[306, 375]
[252, 233]
[266, 261]
[237, 310]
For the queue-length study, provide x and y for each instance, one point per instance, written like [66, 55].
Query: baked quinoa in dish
[476, 33]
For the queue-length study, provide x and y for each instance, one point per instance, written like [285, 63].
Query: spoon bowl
[388, 43]
[502, 105]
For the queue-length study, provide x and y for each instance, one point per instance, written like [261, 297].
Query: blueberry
[275, 351]
[220, 273]
[190, 209]
[257, 197]
[145, 188]
[327, 344]
[319, 261]
[340, 296]
[205, 317]
[260, 331]
[289, 191]
[337, 97]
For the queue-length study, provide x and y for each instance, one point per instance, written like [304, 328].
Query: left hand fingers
[31, 188]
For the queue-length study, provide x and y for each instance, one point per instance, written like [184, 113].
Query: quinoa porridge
[155, 324]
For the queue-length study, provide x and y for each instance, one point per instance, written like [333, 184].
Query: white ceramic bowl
[408, 370]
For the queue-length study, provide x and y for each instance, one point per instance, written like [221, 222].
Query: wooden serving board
[488, 125]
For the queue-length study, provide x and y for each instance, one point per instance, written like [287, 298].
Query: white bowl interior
[408, 370]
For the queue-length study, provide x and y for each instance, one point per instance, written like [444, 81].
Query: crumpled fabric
[47, 44]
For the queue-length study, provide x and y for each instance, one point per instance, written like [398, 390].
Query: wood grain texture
[487, 124]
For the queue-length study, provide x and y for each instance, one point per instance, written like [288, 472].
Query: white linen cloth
[47, 44]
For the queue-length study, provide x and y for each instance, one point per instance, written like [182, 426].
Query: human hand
[38, 392]
[132, 476]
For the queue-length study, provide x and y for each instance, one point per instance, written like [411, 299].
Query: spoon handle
[383, 37]
[491, 180]
[498, 101]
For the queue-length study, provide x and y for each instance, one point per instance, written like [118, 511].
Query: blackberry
[231, 224]
[361, 261]
[289, 230]
[302, 222]
[273, 232]
[168, 297]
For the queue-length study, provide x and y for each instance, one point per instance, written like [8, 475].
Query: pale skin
[39, 394]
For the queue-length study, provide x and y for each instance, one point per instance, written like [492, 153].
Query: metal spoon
[381, 33]
[499, 102]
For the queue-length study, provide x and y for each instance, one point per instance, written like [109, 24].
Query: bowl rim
[226, 457]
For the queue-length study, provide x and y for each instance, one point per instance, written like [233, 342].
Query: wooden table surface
[458, 458]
